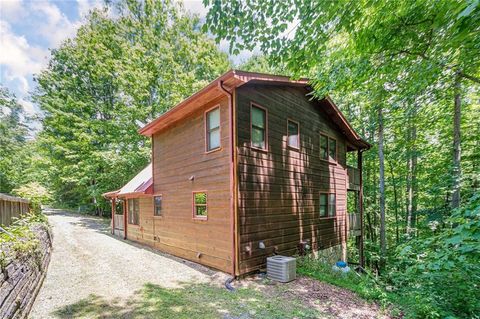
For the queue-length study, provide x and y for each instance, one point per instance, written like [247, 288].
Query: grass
[190, 301]
[365, 286]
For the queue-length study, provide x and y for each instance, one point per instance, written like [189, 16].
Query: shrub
[36, 193]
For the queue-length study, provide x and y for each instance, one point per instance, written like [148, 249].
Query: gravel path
[87, 260]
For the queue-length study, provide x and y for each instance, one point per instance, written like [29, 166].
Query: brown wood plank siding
[278, 189]
[178, 154]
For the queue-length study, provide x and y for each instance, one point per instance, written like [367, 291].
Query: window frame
[194, 206]
[207, 130]
[133, 219]
[328, 159]
[328, 193]
[252, 105]
[298, 134]
[155, 207]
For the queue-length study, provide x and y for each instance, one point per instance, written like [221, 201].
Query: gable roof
[140, 184]
[234, 79]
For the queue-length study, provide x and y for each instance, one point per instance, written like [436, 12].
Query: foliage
[13, 132]
[19, 238]
[363, 285]
[442, 270]
[117, 74]
[36, 193]
[434, 276]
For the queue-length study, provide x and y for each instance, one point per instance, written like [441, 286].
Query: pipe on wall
[232, 174]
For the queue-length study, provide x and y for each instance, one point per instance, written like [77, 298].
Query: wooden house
[247, 167]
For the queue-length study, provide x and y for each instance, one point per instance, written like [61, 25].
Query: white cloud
[12, 10]
[85, 6]
[55, 26]
[18, 58]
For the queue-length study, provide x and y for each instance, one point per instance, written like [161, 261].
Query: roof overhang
[234, 79]
[141, 184]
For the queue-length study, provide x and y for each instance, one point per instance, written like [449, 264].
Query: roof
[140, 184]
[234, 79]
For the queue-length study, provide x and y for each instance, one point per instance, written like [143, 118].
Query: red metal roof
[142, 183]
[236, 78]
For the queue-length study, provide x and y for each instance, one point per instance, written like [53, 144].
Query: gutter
[232, 176]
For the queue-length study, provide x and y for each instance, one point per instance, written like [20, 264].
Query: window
[332, 149]
[157, 205]
[328, 148]
[133, 211]
[293, 139]
[328, 205]
[200, 205]
[213, 129]
[258, 122]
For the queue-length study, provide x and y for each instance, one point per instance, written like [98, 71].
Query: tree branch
[470, 77]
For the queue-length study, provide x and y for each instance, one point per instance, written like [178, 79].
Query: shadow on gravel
[189, 302]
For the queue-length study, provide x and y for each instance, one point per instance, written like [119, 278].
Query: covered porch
[139, 186]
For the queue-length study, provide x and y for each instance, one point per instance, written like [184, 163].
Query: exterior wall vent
[281, 268]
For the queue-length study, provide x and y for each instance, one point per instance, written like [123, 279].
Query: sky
[30, 28]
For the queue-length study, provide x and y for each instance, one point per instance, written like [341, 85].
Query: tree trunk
[412, 174]
[383, 243]
[456, 143]
[395, 202]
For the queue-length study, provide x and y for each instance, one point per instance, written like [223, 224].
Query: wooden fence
[11, 207]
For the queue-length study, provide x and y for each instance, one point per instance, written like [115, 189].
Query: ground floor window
[157, 203]
[328, 204]
[133, 211]
[200, 205]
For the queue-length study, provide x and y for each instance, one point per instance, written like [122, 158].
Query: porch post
[113, 215]
[360, 206]
[125, 219]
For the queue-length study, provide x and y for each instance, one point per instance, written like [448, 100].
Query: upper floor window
[328, 148]
[328, 205]
[157, 205]
[200, 205]
[213, 129]
[258, 120]
[133, 211]
[293, 139]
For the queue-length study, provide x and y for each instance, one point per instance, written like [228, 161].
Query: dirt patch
[329, 300]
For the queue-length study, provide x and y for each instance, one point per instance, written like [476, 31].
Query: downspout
[232, 176]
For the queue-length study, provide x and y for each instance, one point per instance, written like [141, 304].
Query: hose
[228, 284]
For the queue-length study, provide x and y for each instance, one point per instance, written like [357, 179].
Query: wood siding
[178, 154]
[278, 189]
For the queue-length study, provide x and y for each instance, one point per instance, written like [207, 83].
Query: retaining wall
[22, 276]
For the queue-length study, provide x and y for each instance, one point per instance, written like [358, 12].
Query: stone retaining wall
[22, 276]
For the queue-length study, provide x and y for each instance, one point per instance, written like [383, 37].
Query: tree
[13, 134]
[114, 76]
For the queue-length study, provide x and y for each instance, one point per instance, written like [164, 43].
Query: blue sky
[28, 29]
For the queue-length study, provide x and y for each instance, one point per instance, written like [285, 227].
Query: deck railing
[354, 221]
[12, 207]
[353, 178]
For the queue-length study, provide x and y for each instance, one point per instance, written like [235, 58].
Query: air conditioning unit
[281, 268]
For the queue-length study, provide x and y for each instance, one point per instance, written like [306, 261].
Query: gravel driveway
[87, 260]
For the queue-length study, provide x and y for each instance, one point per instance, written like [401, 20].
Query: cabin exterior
[245, 168]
